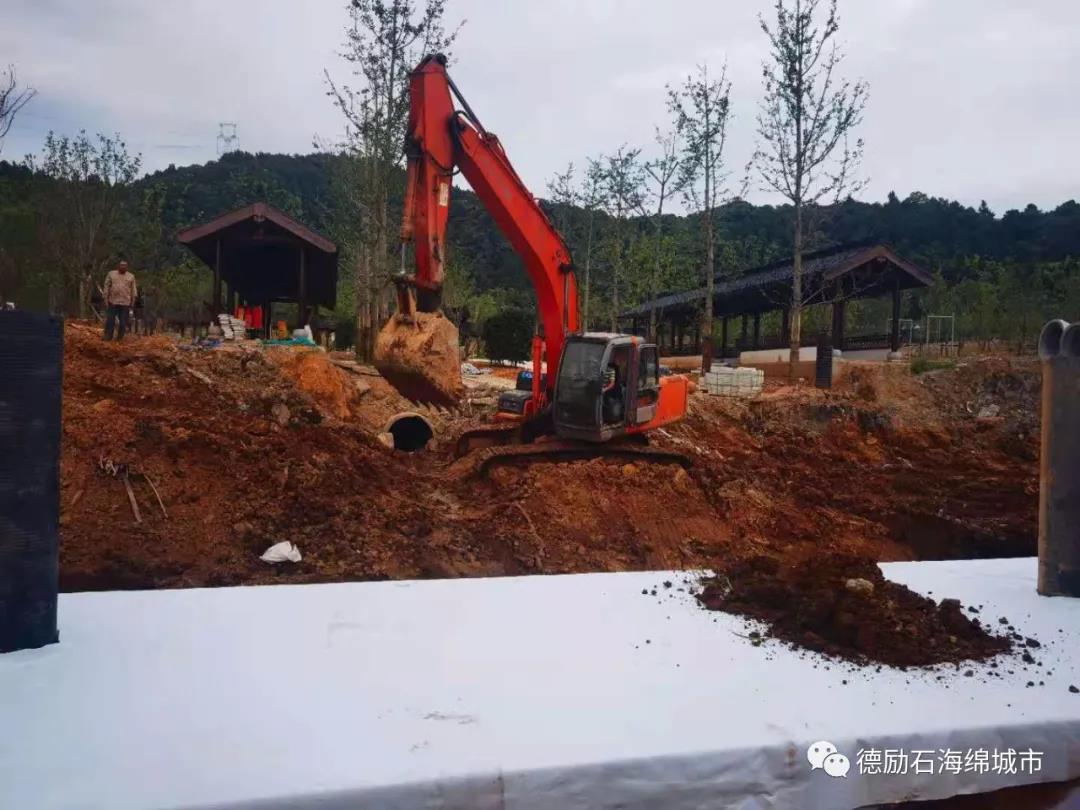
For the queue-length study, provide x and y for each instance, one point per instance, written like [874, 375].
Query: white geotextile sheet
[533, 692]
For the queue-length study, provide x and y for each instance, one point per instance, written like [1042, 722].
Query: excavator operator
[614, 403]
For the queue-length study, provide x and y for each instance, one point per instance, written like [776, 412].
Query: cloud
[970, 99]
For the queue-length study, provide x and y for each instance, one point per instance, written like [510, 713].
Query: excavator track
[472, 441]
[479, 462]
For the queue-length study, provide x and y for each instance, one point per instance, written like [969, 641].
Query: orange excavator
[591, 386]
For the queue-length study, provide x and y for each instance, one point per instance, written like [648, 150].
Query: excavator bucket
[418, 355]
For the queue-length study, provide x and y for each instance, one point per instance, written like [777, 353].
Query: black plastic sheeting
[31, 371]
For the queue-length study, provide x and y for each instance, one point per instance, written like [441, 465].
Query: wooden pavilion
[833, 276]
[263, 257]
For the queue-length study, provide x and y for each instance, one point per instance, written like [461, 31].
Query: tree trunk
[707, 315]
[363, 313]
[796, 300]
[588, 267]
[654, 285]
[615, 278]
[84, 296]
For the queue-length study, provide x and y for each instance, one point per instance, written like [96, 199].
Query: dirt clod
[807, 605]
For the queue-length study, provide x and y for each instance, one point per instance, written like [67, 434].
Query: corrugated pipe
[1059, 461]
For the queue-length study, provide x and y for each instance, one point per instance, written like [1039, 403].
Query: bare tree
[593, 196]
[12, 99]
[663, 171]
[384, 39]
[805, 121]
[702, 110]
[624, 180]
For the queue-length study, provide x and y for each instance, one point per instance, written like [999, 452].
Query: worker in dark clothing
[614, 400]
[120, 294]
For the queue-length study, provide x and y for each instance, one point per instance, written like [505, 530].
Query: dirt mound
[315, 375]
[250, 447]
[814, 470]
[1009, 388]
[843, 606]
[602, 515]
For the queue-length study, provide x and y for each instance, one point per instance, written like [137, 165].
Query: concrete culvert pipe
[1050, 339]
[411, 431]
[1070, 341]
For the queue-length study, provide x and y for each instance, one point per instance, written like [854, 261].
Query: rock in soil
[809, 605]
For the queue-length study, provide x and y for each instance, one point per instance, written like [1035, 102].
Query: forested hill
[1001, 274]
[307, 187]
[941, 233]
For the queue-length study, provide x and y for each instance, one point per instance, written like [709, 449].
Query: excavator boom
[412, 349]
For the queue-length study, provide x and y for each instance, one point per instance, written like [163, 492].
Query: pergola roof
[261, 254]
[864, 270]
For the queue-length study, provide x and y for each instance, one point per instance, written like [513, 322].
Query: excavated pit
[250, 447]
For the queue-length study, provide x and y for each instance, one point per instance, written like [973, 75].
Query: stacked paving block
[734, 382]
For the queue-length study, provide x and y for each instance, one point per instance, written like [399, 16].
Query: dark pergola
[832, 276]
[265, 257]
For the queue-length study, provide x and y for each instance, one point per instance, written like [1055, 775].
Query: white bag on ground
[281, 552]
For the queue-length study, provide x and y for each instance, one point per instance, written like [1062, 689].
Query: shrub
[507, 335]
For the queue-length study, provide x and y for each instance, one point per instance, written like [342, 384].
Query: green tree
[83, 188]
[507, 335]
[384, 40]
[662, 171]
[807, 114]
[624, 180]
[702, 110]
[593, 196]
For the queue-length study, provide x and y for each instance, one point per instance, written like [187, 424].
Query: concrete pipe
[1070, 341]
[1050, 339]
[1059, 462]
[410, 431]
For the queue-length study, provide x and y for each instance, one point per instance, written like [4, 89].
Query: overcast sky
[969, 99]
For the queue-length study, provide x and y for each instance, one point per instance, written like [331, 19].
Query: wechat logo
[823, 755]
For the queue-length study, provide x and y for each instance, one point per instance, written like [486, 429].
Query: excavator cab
[609, 385]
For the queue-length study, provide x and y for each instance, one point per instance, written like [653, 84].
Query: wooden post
[723, 337]
[216, 295]
[745, 332]
[757, 330]
[301, 297]
[894, 342]
[838, 324]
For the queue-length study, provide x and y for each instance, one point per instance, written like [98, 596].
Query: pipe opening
[1070, 341]
[1050, 339]
[411, 432]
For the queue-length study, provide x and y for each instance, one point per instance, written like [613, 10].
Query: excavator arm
[440, 139]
